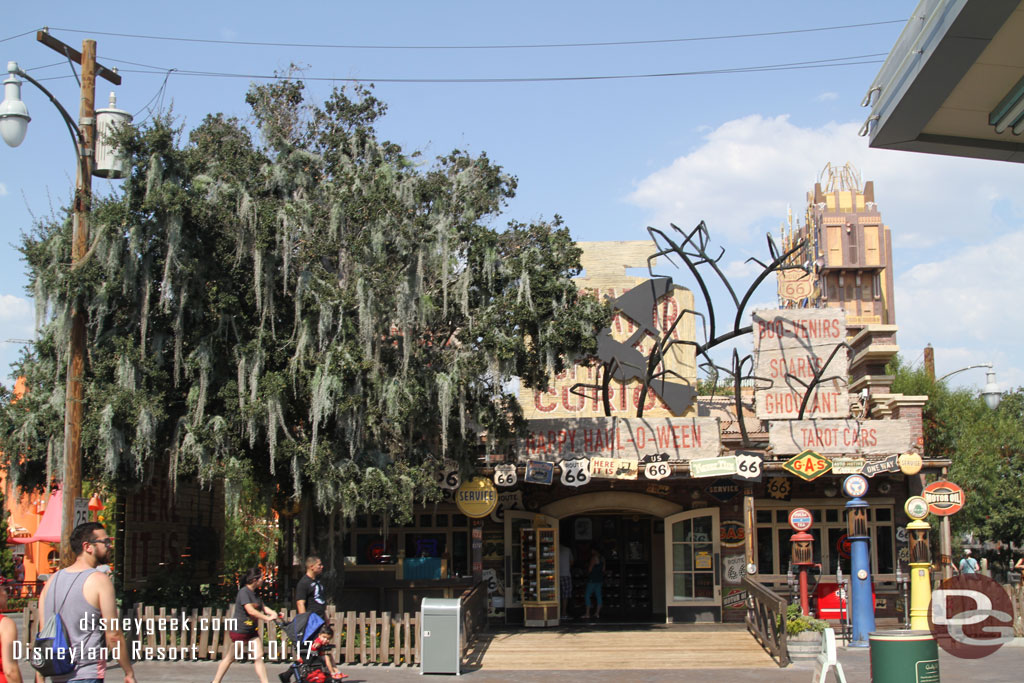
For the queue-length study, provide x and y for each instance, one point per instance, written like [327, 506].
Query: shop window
[764, 516]
[460, 520]
[460, 554]
[765, 558]
[425, 545]
[782, 516]
[375, 549]
[425, 521]
[882, 541]
[831, 515]
[441, 520]
[883, 515]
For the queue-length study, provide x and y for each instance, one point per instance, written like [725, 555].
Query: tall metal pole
[75, 391]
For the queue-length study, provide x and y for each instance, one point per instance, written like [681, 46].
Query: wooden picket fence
[359, 637]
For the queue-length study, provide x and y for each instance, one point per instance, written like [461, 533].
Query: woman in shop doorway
[595, 579]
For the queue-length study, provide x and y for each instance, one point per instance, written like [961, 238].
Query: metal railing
[766, 619]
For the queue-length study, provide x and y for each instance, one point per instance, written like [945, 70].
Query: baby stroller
[308, 634]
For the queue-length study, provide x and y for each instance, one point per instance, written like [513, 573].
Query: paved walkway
[1005, 666]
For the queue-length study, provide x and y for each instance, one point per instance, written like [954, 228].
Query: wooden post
[75, 391]
[749, 528]
[946, 543]
[929, 362]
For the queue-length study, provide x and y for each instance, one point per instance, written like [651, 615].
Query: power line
[787, 66]
[4, 40]
[484, 47]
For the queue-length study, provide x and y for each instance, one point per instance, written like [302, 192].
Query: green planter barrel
[904, 656]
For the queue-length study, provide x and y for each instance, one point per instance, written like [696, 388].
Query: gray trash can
[440, 634]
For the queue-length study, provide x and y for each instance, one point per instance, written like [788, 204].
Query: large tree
[986, 448]
[298, 301]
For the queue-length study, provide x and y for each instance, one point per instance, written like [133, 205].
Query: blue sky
[610, 156]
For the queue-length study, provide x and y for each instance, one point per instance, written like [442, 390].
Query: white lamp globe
[14, 116]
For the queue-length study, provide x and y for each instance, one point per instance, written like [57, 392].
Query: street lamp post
[14, 121]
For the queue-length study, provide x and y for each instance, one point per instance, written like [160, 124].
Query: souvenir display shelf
[540, 576]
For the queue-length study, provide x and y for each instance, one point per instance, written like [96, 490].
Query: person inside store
[565, 577]
[249, 609]
[595, 580]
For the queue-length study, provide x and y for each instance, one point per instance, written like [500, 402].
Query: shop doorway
[626, 542]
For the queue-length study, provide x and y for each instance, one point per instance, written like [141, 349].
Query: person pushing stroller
[311, 638]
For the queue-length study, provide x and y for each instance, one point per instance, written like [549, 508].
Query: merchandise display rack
[540, 576]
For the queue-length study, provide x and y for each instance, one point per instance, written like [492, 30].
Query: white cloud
[3, 189]
[17, 321]
[827, 97]
[968, 308]
[746, 171]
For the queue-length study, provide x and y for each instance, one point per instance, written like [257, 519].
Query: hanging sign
[702, 560]
[448, 475]
[723, 490]
[540, 472]
[793, 344]
[507, 500]
[779, 488]
[848, 465]
[732, 535]
[888, 464]
[800, 519]
[862, 437]
[944, 498]
[683, 438]
[910, 463]
[656, 466]
[748, 466]
[808, 465]
[477, 498]
[614, 468]
[713, 467]
[575, 472]
[795, 284]
[916, 507]
[505, 475]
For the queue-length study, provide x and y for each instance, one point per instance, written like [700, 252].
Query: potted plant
[803, 634]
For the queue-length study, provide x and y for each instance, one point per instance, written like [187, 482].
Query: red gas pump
[802, 545]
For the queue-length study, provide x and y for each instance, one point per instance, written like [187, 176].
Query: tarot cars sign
[790, 346]
[944, 498]
[868, 437]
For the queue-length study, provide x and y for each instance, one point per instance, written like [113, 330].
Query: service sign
[860, 437]
[910, 463]
[808, 465]
[477, 498]
[614, 468]
[575, 472]
[790, 347]
[723, 490]
[944, 498]
[713, 467]
[848, 465]
[505, 475]
[539, 472]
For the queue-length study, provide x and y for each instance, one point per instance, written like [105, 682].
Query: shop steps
[598, 646]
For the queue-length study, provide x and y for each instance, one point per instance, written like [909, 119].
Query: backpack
[51, 654]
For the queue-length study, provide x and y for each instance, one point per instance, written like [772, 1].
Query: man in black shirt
[309, 594]
[309, 597]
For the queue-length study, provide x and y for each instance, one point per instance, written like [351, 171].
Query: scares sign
[790, 347]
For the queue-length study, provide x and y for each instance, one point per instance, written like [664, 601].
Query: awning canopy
[50, 526]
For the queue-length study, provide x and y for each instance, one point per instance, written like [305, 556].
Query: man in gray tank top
[85, 599]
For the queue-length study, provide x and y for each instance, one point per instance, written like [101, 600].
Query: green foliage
[796, 622]
[986, 448]
[300, 298]
[251, 534]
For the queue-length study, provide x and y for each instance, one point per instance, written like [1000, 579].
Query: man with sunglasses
[84, 597]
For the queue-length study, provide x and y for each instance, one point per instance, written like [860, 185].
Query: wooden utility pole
[75, 389]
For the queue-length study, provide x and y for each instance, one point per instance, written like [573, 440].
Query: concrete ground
[1005, 666]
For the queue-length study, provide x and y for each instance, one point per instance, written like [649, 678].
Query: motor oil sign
[807, 465]
[944, 498]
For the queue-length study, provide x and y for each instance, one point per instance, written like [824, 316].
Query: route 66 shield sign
[447, 475]
[656, 466]
[505, 475]
[575, 472]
